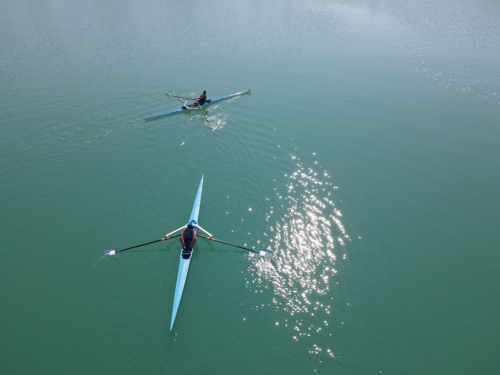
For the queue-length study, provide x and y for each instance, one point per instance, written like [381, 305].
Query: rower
[188, 239]
[199, 100]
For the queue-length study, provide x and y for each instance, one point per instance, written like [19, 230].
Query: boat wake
[218, 121]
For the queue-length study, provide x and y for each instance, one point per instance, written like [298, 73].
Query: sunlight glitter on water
[308, 239]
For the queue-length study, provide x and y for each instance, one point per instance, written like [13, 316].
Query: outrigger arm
[168, 234]
[209, 235]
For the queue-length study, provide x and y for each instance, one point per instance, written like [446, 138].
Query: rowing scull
[207, 102]
[184, 263]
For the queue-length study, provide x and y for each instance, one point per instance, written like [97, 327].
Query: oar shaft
[239, 247]
[230, 244]
[144, 244]
[182, 97]
[113, 252]
[203, 113]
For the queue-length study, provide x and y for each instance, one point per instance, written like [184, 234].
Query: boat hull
[207, 102]
[184, 263]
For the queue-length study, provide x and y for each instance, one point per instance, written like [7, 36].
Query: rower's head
[191, 225]
[204, 92]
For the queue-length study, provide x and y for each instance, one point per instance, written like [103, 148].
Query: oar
[113, 252]
[181, 97]
[258, 252]
[206, 118]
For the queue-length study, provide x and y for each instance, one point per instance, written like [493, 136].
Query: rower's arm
[182, 239]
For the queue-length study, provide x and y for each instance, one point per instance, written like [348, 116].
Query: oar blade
[263, 253]
[111, 252]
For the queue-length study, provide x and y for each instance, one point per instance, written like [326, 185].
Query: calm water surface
[366, 157]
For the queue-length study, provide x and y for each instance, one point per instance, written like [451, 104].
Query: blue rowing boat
[207, 102]
[184, 263]
[186, 259]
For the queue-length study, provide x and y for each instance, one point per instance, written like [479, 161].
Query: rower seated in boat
[188, 239]
[199, 100]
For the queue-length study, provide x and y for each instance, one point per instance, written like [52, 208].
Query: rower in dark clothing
[199, 100]
[188, 239]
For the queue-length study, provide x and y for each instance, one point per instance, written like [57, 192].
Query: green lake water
[366, 158]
